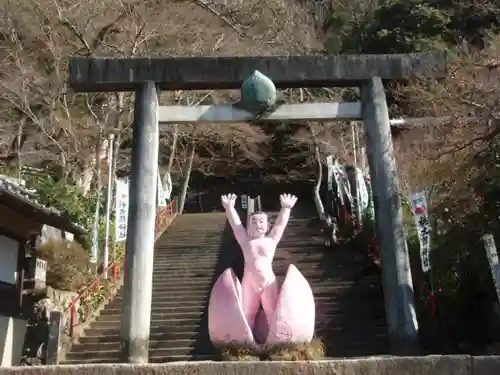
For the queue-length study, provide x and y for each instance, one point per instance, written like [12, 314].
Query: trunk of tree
[18, 148]
[173, 148]
[185, 185]
[100, 151]
[116, 154]
[66, 172]
[317, 197]
[101, 145]
[85, 181]
[87, 176]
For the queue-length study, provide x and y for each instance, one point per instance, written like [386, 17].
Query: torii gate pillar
[139, 253]
[396, 275]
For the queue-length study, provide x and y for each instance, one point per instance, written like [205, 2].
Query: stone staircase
[184, 264]
[347, 288]
[197, 248]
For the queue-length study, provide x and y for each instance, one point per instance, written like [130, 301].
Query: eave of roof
[38, 212]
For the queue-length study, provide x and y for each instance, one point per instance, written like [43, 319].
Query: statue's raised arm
[228, 202]
[287, 202]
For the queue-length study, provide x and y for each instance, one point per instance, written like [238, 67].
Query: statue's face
[258, 225]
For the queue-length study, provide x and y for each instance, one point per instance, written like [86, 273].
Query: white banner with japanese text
[121, 212]
[161, 200]
[421, 215]
[492, 255]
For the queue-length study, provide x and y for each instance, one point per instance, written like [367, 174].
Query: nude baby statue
[288, 309]
[259, 284]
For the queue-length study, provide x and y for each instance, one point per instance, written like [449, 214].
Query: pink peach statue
[288, 313]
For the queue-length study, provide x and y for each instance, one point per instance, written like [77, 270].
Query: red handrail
[163, 219]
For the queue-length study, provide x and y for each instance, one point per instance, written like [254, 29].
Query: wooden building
[21, 219]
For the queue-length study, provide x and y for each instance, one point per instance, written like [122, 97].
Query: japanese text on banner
[421, 216]
[122, 202]
[161, 200]
[492, 255]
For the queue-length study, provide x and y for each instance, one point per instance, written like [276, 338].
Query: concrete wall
[12, 332]
[430, 365]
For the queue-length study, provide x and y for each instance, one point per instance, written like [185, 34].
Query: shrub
[67, 264]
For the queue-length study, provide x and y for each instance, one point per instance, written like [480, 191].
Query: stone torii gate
[146, 76]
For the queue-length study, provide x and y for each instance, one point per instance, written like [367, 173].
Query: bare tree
[185, 185]
[61, 127]
[447, 157]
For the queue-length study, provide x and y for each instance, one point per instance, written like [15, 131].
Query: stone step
[280, 266]
[198, 226]
[322, 307]
[209, 239]
[157, 352]
[183, 279]
[204, 347]
[162, 293]
[320, 289]
[208, 236]
[201, 298]
[113, 335]
[181, 253]
[178, 298]
[168, 348]
[160, 315]
[185, 273]
[302, 261]
[169, 309]
[175, 351]
[163, 343]
[342, 326]
[174, 255]
[376, 332]
[375, 328]
[315, 280]
[178, 332]
[193, 228]
[185, 324]
[171, 267]
[179, 247]
[172, 303]
[165, 288]
[179, 250]
[333, 301]
[172, 358]
[311, 276]
[304, 264]
[192, 323]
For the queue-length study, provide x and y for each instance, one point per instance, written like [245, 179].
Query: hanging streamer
[421, 216]
[420, 210]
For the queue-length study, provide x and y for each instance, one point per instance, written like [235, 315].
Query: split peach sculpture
[287, 314]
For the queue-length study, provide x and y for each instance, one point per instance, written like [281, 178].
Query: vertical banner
[421, 216]
[371, 206]
[122, 202]
[492, 255]
[329, 164]
[160, 193]
[167, 188]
